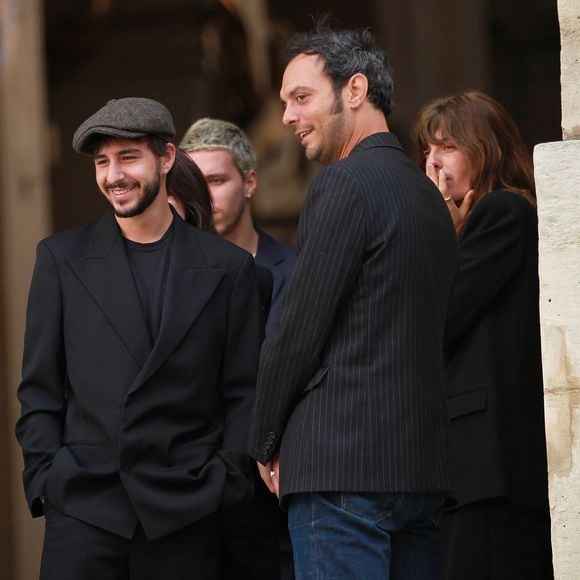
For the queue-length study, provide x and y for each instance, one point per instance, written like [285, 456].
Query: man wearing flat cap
[139, 366]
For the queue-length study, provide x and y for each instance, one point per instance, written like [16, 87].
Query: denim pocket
[373, 506]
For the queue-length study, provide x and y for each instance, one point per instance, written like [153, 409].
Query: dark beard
[150, 193]
[337, 107]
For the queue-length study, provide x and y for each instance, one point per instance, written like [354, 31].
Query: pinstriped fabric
[350, 388]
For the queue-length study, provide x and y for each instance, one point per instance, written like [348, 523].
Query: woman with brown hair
[188, 192]
[498, 526]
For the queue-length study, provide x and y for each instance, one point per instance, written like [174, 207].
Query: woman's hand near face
[459, 213]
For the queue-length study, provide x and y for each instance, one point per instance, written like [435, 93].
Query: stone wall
[569, 16]
[24, 219]
[557, 169]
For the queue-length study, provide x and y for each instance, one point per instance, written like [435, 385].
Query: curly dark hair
[345, 53]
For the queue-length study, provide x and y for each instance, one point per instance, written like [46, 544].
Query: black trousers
[249, 547]
[74, 550]
[496, 540]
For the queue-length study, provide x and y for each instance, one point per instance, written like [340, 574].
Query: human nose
[433, 158]
[289, 116]
[115, 172]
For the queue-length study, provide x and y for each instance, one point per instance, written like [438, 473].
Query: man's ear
[250, 184]
[357, 87]
[168, 159]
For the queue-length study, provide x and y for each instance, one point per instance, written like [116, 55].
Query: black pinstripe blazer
[350, 387]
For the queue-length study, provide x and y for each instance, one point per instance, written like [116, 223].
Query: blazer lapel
[107, 276]
[190, 284]
[269, 256]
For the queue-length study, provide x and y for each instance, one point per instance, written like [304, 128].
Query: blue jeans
[346, 536]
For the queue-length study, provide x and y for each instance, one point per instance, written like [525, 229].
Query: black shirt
[149, 265]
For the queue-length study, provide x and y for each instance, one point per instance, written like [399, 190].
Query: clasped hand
[459, 213]
[270, 474]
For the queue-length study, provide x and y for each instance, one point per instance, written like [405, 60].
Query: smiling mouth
[118, 191]
[302, 134]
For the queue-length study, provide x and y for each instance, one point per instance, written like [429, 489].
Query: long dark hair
[186, 183]
[485, 132]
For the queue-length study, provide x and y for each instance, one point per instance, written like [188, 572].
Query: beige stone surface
[569, 17]
[557, 169]
[24, 219]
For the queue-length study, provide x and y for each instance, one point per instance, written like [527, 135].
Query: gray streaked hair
[206, 134]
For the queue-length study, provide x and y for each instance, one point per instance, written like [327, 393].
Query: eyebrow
[298, 89]
[120, 152]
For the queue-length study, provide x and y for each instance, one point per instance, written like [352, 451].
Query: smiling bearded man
[139, 365]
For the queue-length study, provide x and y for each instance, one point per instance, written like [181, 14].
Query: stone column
[557, 169]
[569, 16]
[24, 218]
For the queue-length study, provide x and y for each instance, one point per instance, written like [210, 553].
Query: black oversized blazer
[116, 430]
[493, 366]
[351, 387]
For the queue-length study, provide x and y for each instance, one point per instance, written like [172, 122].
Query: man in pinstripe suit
[349, 422]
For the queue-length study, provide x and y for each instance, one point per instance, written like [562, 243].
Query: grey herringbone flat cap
[129, 118]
